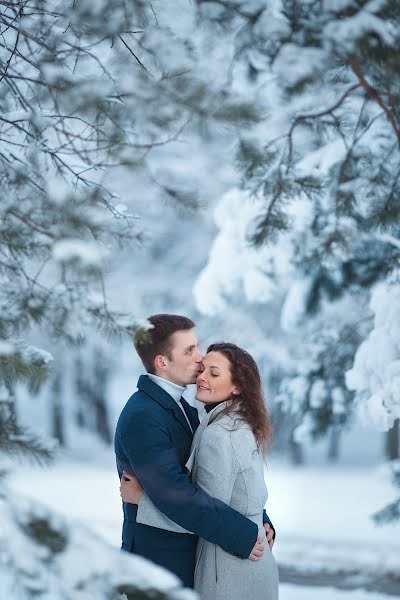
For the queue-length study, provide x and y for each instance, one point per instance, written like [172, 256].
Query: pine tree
[89, 94]
[86, 92]
[324, 167]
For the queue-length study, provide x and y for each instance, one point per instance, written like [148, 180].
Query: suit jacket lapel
[181, 418]
[191, 414]
[148, 386]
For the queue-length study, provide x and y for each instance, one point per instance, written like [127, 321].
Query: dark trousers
[173, 551]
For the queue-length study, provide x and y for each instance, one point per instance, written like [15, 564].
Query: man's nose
[199, 356]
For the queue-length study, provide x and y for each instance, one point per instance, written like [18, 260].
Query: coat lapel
[148, 386]
[209, 417]
[181, 418]
[191, 414]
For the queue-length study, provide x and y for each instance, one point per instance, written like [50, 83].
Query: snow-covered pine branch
[89, 92]
[46, 556]
[323, 169]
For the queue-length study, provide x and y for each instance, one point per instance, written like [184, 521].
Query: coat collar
[207, 419]
[173, 389]
[148, 386]
[217, 409]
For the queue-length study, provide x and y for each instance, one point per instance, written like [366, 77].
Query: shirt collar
[173, 389]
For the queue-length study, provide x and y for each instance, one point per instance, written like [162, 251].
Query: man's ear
[159, 363]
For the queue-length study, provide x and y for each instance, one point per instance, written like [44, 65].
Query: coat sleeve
[148, 514]
[266, 519]
[153, 460]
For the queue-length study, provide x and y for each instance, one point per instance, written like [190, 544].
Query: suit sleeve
[266, 519]
[153, 459]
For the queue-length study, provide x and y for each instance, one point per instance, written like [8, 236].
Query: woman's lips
[202, 387]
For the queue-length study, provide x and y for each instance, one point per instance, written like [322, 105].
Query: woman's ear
[236, 391]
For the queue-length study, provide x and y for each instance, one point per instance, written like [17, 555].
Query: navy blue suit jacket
[153, 442]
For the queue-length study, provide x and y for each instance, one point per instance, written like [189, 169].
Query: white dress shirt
[173, 389]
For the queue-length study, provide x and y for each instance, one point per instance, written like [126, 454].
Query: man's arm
[266, 519]
[269, 529]
[153, 459]
[148, 514]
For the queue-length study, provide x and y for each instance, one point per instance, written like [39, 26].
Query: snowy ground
[322, 514]
[291, 592]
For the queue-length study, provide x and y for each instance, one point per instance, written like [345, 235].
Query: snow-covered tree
[88, 90]
[90, 94]
[46, 557]
[322, 172]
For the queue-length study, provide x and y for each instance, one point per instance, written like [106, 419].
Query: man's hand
[130, 488]
[269, 533]
[258, 549]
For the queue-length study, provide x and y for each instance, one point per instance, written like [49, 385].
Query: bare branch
[374, 95]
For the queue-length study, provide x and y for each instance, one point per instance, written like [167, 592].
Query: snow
[295, 64]
[338, 401]
[321, 160]
[49, 558]
[322, 513]
[6, 349]
[234, 266]
[303, 431]
[37, 355]
[318, 510]
[375, 375]
[350, 29]
[291, 592]
[294, 307]
[323, 516]
[87, 254]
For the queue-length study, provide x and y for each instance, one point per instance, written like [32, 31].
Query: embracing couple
[194, 493]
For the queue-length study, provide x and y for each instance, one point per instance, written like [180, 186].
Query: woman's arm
[147, 513]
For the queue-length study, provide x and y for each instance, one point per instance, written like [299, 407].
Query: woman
[227, 462]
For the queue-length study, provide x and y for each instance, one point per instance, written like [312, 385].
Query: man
[153, 440]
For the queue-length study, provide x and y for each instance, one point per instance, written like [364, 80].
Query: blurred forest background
[234, 161]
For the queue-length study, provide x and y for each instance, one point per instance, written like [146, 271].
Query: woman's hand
[130, 488]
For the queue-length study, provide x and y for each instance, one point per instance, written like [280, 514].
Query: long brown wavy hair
[249, 404]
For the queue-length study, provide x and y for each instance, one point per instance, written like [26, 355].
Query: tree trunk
[296, 452]
[101, 376]
[102, 424]
[57, 411]
[334, 444]
[392, 449]
[83, 411]
[91, 377]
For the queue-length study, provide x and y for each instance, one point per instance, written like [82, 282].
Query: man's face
[184, 362]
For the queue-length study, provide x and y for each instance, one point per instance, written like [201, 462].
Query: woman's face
[214, 383]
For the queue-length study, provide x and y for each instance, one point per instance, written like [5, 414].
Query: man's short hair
[158, 340]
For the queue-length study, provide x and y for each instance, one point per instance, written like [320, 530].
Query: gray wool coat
[226, 463]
